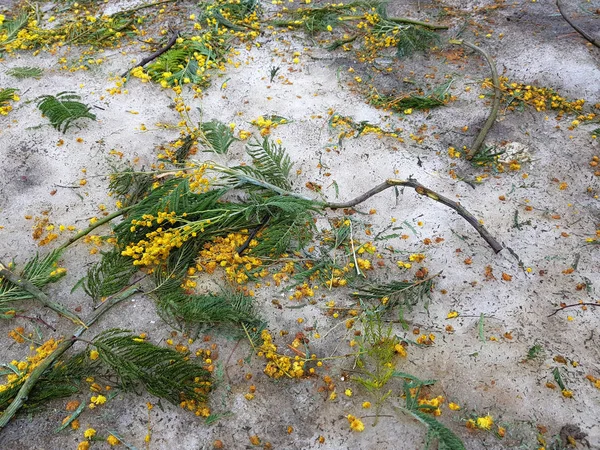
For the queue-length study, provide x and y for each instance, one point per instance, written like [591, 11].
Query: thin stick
[422, 190]
[28, 286]
[154, 55]
[572, 306]
[91, 228]
[495, 106]
[36, 319]
[33, 377]
[353, 251]
[431, 26]
[575, 27]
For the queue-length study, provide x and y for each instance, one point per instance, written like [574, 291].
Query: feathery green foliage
[163, 372]
[12, 27]
[180, 61]
[398, 293]
[64, 109]
[218, 136]
[62, 380]
[20, 73]
[40, 271]
[108, 276]
[270, 163]
[437, 97]
[411, 38]
[129, 186]
[318, 18]
[436, 431]
[226, 312]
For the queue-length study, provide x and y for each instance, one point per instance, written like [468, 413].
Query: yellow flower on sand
[85, 445]
[99, 400]
[112, 440]
[89, 433]
[453, 406]
[355, 423]
[485, 423]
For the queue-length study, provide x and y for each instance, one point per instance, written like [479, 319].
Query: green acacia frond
[397, 292]
[20, 73]
[447, 440]
[128, 185]
[163, 372]
[218, 136]
[411, 38]
[108, 276]
[64, 109]
[40, 271]
[270, 163]
[12, 27]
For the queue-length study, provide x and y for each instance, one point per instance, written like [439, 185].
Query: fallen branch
[587, 36]
[422, 190]
[572, 306]
[34, 376]
[38, 294]
[154, 55]
[495, 106]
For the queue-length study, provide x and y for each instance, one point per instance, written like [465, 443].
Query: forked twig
[422, 190]
[587, 36]
[572, 306]
[495, 106]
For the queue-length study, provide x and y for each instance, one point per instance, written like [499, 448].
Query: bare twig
[154, 55]
[34, 376]
[28, 286]
[146, 5]
[422, 190]
[495, 106]
[587, 36]
[36, 319]
[572, 306]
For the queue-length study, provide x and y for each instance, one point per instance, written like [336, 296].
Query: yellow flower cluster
[355, 423]
[222, 252]
[541, 98]
[436, 403]
[138, 72]
[267, 125]
[27, 366]
[349, 128]
[279, 365]
[199, 408]
[6, 107]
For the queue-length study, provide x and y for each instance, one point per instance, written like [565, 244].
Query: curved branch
[587, 36]
[495, 106]
[422, 190]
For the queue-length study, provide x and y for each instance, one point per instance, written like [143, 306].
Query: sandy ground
[489, 377]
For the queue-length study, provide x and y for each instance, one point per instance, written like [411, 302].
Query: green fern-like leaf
[108, 276]
[130, 186]
[447, 440]
[20, 73]
[410, 38]
[270, 162]
[64, 109]
[12, 27]
[218, 136]
[163, 372]
[397, 292]
[38, 270]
